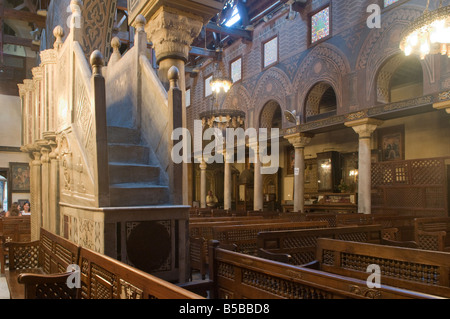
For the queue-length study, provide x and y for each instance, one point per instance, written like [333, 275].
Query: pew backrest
[15, 229]
[301, 244]
[246, 236]
[52, 254]
[103, 277]
[412, 269]
[240, 276]
[432, 233]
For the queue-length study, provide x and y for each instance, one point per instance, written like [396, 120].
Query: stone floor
[4, 292]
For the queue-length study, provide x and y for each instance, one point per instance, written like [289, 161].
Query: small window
[208, 89]
[271, 52]
[320, 25]
[188, 97]
[387, 3]
[236, 70]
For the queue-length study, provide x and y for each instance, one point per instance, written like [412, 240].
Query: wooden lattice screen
[413, 187]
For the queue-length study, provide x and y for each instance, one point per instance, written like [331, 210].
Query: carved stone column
[48, 62]
[258, 198]
[45, 183]
[172, 31]
[53, 196]
[36, 194]
[364, 128]
[227, 182]
[203, 184]
[299, 141]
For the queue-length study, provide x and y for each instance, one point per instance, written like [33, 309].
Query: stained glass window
[208, 89]
[236, 70]
[271, 52]
[320, 25]
[387, 3]
[188, 97]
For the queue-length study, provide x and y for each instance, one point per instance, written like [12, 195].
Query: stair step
[138, 194]
[133, 173]
[123, 135]
[126, 153]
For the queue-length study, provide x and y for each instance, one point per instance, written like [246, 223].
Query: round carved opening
[148, 246]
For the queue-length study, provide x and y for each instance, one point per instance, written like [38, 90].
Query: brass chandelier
[429, 34]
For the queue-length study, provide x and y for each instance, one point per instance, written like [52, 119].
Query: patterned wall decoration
[275, 85]
[325, 63]
[97, 14]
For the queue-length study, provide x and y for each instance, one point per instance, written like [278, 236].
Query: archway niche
[400, 78]
[321, 102]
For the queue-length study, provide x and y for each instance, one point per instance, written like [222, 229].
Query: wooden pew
[16, 229]
[301, 244]
[205, 229]
[239, 276]
[101, 277]
[197, 219]
[51, 254]
[431, 233]
[412, 269]
[245, 236]
[201, 232]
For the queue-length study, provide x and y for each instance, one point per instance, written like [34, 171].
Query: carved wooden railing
[413, 187]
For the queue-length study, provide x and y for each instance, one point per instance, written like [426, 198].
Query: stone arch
[268, 112]
[382, 44]
[274, 84]
[325, 63]
[386, 73]
[315, 97]
[238, 98]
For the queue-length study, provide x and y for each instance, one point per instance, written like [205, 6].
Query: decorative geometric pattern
[320, 25]
[409, 271]
[410, 184]
[55, 291]
[278, 286]
[25, 257]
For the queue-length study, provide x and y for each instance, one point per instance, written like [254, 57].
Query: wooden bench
[101, 277]
[50, 255]
[431, 233]
[201, 232]
[16, 229]
[235, 275]
[300, 245]
[245, 237]
[412, 269]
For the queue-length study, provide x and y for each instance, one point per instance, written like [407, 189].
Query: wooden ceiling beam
[25, 16]
[9, 39]
[232, 32]
[203, 52]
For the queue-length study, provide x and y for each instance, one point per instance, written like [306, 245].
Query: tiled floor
[4, 292]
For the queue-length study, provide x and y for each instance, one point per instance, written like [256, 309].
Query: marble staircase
[134, 180]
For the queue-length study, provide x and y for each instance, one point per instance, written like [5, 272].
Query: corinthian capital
[299, 140]
[365, 127]
[172, 33]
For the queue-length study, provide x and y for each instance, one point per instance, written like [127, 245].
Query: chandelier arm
[428, 6]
